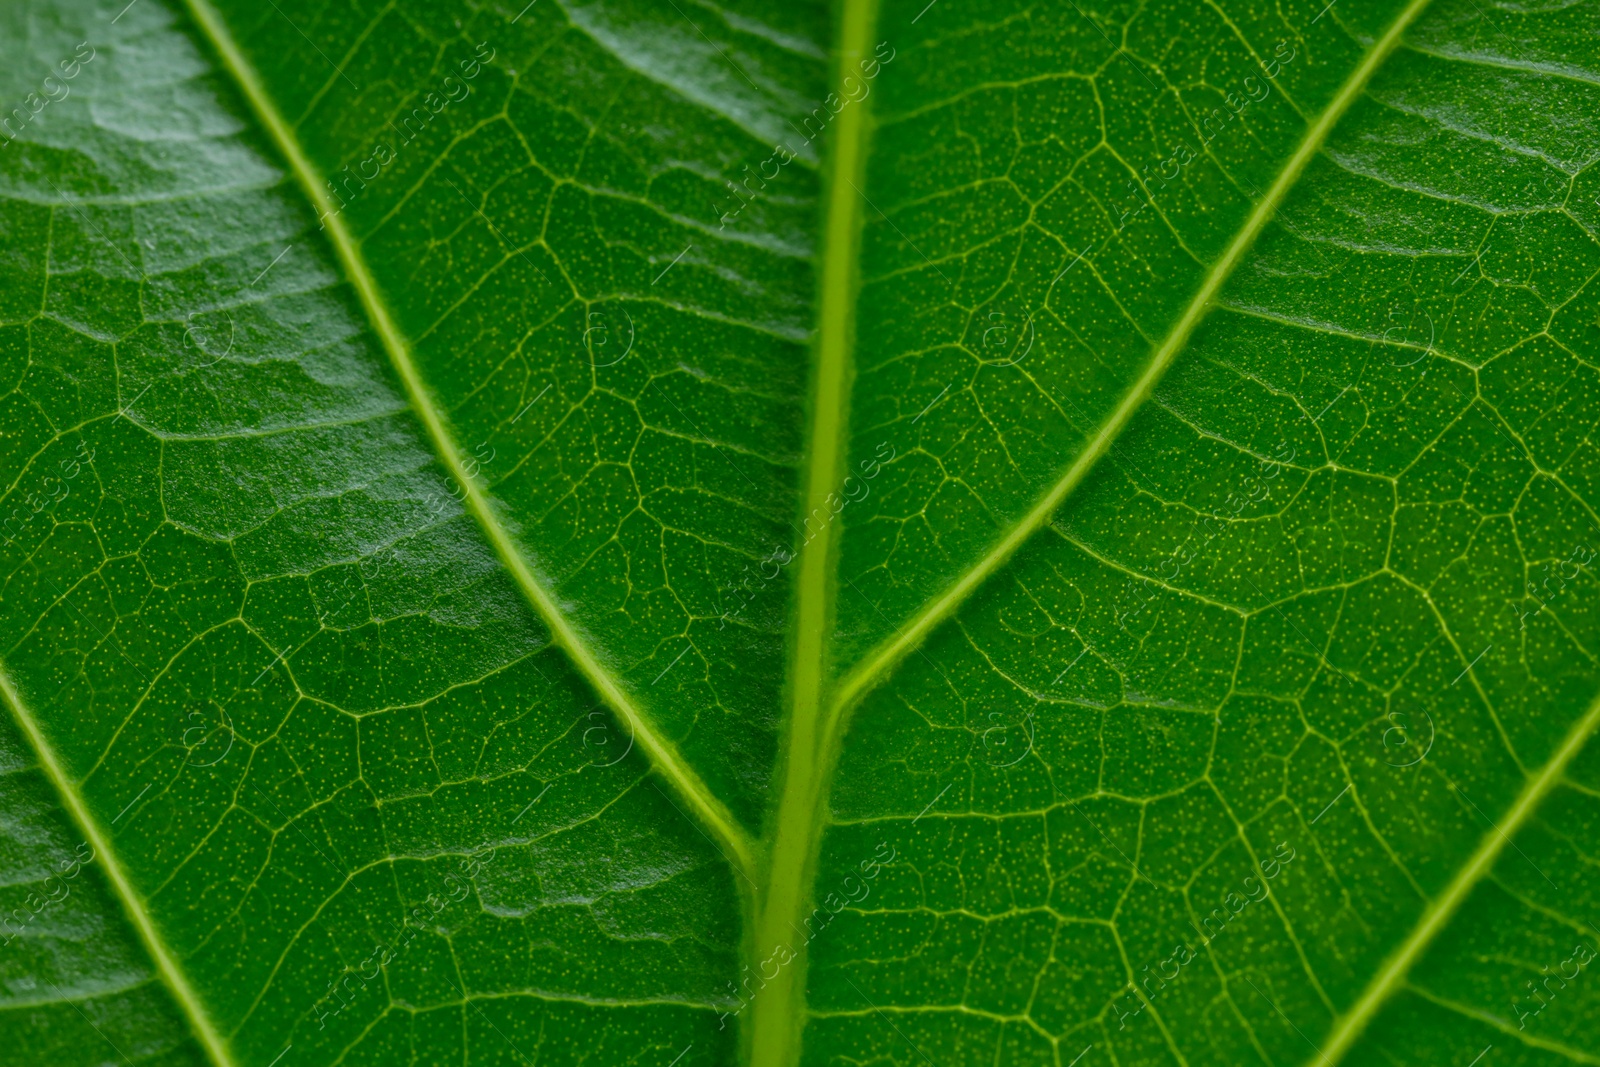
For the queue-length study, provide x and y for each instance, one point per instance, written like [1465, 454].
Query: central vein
[818, 711]
[779, 1008]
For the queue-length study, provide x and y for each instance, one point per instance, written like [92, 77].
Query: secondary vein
[887, 654]
[1495, 840]
[132, 904]
[730, 837]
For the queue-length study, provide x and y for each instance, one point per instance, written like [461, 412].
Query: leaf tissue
[789, 534]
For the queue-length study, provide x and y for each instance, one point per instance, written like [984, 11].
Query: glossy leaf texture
[409, 432]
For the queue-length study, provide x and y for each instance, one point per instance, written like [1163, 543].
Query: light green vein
[1523, 1037]
[1348, 1029]
[132, 904]
[778, 1012]
[883, 659]
[665, 757]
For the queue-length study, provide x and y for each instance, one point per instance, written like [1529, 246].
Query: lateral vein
[1495, 840]
[730, 837]
[888, 654]
[132, 904]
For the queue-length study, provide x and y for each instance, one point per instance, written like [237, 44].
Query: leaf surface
[1081, 557]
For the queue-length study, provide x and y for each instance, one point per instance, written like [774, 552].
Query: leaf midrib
[805, 794]
[773, 1031]
[730, 837]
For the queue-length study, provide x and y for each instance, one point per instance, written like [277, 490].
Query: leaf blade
[664, 755]
[149, 938]
[1214, 647]
[1157, 608]
[287, 568]
[886, 655]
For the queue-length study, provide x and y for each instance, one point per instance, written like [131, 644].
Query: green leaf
[775, 534]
